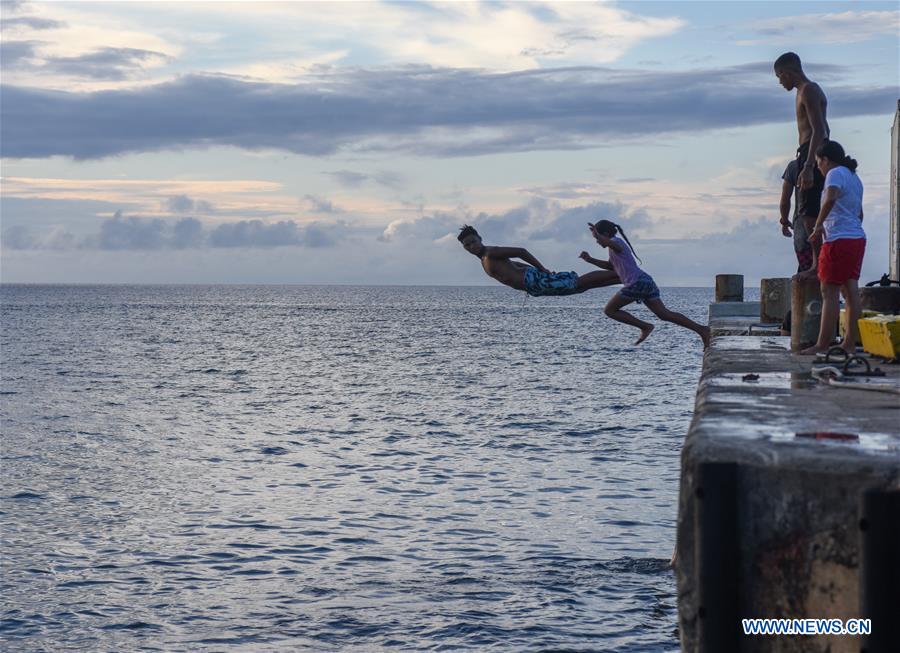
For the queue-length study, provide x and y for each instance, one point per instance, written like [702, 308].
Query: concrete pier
[788, 485]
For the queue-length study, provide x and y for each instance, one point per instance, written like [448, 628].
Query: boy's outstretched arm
[516, 252]
[606, 265]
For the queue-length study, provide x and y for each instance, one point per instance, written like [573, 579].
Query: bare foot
[646, 331]
[812, 351]
[704, 335]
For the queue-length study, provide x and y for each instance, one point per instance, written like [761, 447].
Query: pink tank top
[624, 264]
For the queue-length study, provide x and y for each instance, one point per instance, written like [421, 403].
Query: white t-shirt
[843, 220]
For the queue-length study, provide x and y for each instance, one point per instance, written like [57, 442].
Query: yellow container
[842, 320]
[880, 335]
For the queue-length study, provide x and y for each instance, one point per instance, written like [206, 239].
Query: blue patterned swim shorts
[642, 289]
[539, 283]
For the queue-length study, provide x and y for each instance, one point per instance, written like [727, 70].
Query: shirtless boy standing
[812, 129]
[533, 278]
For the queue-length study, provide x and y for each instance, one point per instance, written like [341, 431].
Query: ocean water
[285, 468]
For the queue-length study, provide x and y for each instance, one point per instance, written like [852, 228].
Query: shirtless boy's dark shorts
[809, 201]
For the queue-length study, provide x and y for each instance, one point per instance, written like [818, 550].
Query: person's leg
[830, 306]
[596, 279]
[614, 310]
[853, 313]
[801, 244]
[804, 259]
[659, 309]
[808, 206]
[809, 223]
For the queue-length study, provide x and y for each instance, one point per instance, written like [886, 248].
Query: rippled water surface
[259, 468]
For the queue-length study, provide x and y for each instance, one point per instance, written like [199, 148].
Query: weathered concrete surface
[795, 502]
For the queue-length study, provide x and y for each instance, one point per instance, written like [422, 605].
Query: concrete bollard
[806, 312]
[729, 287]
[774, 299]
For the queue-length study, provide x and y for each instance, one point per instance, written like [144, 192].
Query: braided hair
[610, 229]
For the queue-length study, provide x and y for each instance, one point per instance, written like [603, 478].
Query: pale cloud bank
[420, 111]
[537, 219]
[496, 35]
[123, 232]
[318, 251]
[843, 27]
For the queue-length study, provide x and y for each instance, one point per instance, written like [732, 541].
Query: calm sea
[284, 468]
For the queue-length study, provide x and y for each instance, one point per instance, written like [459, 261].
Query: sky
[347, 142]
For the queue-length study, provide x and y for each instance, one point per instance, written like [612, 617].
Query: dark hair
[788, 60]
[610, 229]
[833, 151]
[466, 230]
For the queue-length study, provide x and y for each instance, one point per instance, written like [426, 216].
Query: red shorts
[841, 260]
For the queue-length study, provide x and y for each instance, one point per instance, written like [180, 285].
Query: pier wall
[777, 471]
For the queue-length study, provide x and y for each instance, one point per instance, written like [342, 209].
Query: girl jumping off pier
[638, 286]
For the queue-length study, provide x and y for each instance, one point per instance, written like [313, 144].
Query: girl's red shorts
[841, 260]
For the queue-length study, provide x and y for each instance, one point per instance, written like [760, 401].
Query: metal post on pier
[894, 240]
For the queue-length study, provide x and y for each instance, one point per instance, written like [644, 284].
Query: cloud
[844, 27]
[20, 237]
[113, 64]
[123, 232]
[74, 48]
[320, 205]
[422, 111]
[348, 178]
[183, 250]
[30, 22]
[494, 35]
[352, 179]
[25, 199]
[753, 246]
[12, 6]
[187, 233]
[13, 52]
[106, 63]
[432, 227]
[182, 204]
[564, 190]
[388, 179]
[538, 219]
[571, 224]
[256, 233]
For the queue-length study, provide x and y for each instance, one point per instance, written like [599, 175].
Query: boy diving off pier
[533, 278]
